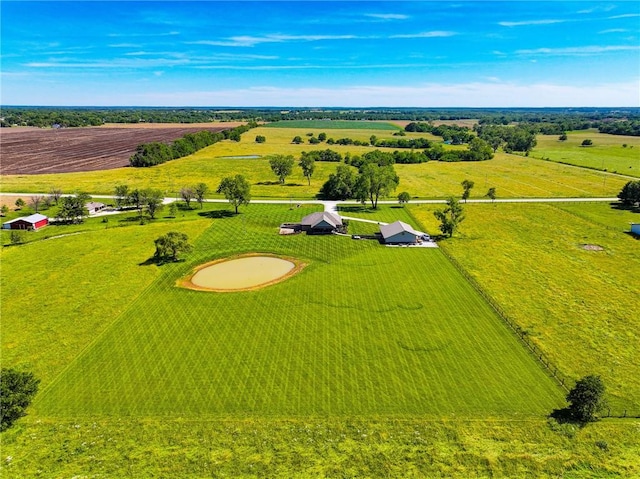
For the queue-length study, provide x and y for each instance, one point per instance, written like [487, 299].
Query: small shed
[32, 222]
[635, 228]
[95, 207]
[321, 222]
[399, 233]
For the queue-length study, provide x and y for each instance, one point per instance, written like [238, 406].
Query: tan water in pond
[242, 273]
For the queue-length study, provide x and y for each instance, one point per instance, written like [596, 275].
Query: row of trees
[567, 118]
[510, 138]
[155, 153]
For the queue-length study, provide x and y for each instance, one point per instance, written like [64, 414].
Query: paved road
[332, 205]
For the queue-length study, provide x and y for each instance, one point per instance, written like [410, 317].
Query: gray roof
[94, 204]
[396, 228]
[314, 218]
[33, 219]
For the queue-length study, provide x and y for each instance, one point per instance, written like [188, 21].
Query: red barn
[33, 222]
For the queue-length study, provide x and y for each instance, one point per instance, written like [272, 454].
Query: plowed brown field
[31, 151]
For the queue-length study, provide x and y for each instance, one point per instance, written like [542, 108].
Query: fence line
[563, 380]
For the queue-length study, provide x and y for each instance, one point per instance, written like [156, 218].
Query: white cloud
[530, 22]
[250, 41]
[613, 30]
[434, 34]
[386, 16]
[578, 51]
[626, 15]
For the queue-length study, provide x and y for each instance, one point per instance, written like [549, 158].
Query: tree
[587, 142]
[297, 140]
[450, 217]
[563, 137]
[73, 208]
[281, 165]
[491, 193]
[340, 184]
[377, 181]
[308, 165]
[122, 196]
[153, 201]
[20, 203]
[480, 150]
[373, 139]
[236, 190]
[404, 197]
[467, 185]
[260, 139]
[173, 209]
[322, 137]
[200, 190]
[55, 193]
[35, 202]
[630, 193]
[16, 391]
[169, 246]
[17, 236]
[4, 210]
[187, 195]
[586, 399]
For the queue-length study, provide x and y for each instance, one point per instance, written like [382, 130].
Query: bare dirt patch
[592, 247]
[64, 150]
[241, 273]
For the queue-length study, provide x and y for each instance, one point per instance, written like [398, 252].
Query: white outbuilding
[399, 233]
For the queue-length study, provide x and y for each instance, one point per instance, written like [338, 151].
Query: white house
[635, 228]
[94, 207]
[399, 233]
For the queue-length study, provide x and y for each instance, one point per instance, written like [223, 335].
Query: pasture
[512, 175]
[327, 341]
[579, 306]
[335, 125]
[607, 152]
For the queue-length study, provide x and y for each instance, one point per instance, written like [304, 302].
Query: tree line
[156, 153]
[566, 118]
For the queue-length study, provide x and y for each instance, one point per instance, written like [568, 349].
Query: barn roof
[33, 219]
[314, 218]
[397, 228]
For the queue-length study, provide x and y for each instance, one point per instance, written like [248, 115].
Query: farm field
[379, 349]
[37, 151]
[335, 125]
[607, 152]
[577, 305]
[512, 175]
[370, 362]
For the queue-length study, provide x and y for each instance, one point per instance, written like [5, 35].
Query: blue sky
[344, 54]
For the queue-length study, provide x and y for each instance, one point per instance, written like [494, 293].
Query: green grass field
[579, 306]
[327, 341]
[512, 175]
[334, 125]
[607, 152]
[312, 448]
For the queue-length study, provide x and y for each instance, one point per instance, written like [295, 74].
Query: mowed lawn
[607, 152]
[362, 330]
[511, 175]
[59, 294]
[579, 306]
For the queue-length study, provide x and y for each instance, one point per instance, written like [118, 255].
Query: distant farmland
[36, 151]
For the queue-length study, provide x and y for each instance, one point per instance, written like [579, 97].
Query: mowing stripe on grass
[362, 330]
